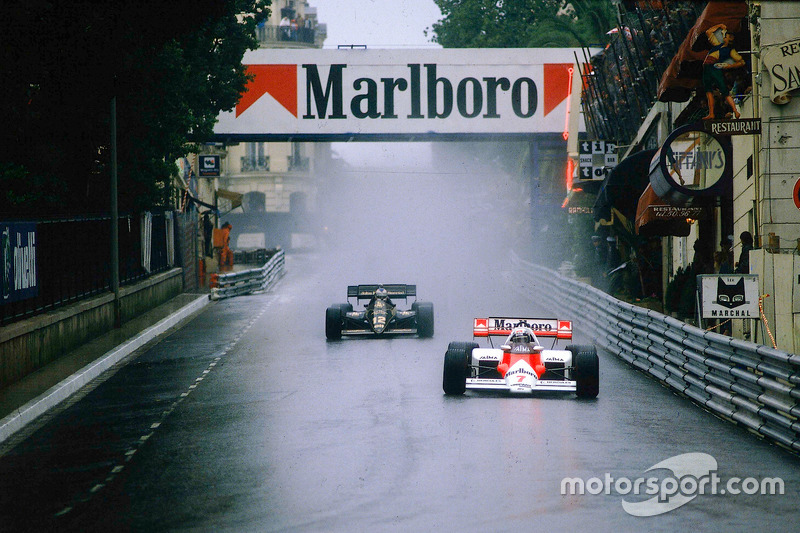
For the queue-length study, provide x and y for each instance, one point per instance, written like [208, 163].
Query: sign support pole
[114, 217]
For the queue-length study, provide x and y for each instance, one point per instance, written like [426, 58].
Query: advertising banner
[729, 296]
[18, 255]
[319, 94]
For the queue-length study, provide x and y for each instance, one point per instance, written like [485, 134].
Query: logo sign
[782, 61]
[541, 326]
[729, 296]
[671, 484]
[316, 94]
[796, 193]
[18, 255]
[595, 158]
[744, 126]
[690, 163]
[209, 166]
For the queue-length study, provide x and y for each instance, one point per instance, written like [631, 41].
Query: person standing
[285, 26]
[226, 254]
[743, 265]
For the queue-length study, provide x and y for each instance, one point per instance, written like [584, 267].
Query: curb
[33, 409]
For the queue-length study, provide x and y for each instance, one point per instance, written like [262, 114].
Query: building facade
[264, 188]
[756, 192]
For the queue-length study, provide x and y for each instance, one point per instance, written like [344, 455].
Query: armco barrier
[247, 281]
[747, 383]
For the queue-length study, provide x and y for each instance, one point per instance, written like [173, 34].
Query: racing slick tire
[456, 367]
[346, 308]
[586, 370]
[424, 318]
[333, 322]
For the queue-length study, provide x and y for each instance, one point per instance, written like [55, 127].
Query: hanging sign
[729, 296]
[595, 158]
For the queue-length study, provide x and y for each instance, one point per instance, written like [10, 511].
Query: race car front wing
[537, 385]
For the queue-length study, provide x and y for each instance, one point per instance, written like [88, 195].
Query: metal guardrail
[746, 383]
[248, 281]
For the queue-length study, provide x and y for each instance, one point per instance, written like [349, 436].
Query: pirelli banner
[357, 94]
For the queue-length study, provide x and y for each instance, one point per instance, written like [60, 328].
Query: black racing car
[380, 315]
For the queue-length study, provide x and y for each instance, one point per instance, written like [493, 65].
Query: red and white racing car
[521, 364]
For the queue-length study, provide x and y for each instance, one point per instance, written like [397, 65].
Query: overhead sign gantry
[426, 94]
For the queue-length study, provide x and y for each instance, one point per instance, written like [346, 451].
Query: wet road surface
[247, 419]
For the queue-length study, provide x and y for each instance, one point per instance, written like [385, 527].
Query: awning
[685, 72]
[655, 217]
[235, 198]
[623, 186]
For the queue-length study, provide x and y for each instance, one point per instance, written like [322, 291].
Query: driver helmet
[381, 294]
[521, 337]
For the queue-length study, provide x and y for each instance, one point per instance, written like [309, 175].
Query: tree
[523, 23]
[172, 66]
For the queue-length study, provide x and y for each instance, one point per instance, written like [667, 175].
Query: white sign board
[725, 296]
[782, 61]
[315, 93]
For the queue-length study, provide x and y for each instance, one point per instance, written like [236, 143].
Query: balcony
[255, 164]
[298, 164]
[274, 37]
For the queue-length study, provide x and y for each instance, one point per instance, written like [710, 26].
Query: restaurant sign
[782, 61]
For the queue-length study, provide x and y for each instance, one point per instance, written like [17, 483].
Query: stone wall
[30, 344]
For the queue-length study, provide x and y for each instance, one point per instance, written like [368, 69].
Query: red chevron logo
[279, 81]
[556, 85]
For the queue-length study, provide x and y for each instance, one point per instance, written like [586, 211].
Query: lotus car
[380, 316]
[521, 365]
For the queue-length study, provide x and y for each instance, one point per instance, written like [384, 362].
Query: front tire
[586, 371]
[424, 319]
[456, 367]
[333, 322]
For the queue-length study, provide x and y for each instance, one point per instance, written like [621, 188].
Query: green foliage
[172, 67]
[523, 23]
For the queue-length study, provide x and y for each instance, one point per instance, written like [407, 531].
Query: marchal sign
[782, 61]
[729, 295]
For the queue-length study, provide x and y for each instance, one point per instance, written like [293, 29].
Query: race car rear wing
[395, 290]
[502, 326]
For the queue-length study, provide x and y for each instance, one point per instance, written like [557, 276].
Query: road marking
[129, 453]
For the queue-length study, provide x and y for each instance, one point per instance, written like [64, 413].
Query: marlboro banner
[327, 94]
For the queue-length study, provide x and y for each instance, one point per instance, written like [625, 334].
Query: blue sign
[20, 278]
[209, 166]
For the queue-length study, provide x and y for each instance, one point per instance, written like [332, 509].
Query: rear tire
[456, 367]
[424, 318]
[346, 308]
[586, 371]
[333, 322]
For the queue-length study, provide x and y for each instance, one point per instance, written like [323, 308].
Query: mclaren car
[521, 365]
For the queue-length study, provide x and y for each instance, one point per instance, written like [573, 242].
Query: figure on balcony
[722, 56]
[285, 27]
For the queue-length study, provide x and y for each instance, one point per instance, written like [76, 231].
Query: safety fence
[746, 383]
[249, 281]
[69, 259]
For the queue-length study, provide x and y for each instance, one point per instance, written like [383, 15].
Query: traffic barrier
[249, 281]
[750, 384]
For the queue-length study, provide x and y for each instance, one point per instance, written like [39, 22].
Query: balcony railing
[267, 34]
[298, 164]
[255, 164]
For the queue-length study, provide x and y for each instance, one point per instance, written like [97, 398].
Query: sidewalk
[34, 395]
